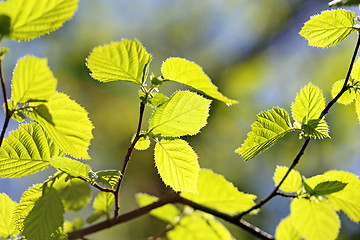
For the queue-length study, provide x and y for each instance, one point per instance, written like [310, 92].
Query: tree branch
[127, 159]
[7, 112]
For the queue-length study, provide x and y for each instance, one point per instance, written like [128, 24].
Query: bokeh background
[250, 48]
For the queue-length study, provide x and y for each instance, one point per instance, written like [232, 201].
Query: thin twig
[7, 112]
[286, 195]
[127, 159]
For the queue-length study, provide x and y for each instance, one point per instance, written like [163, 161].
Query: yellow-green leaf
[32, 19]
[357, 106]
[286, 231]
[177, 164]
[184, 113]
[168, 213]
[293, 181]
[215, 192]
[314, 219]
[7, 224]
[72, 167]
[32, 80]
[66, 122]
[347, 97]
[125, 60]
[26, 151]
[328, 28]
[190, 74]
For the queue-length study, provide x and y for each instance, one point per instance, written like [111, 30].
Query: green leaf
[75, 193]
[177, 164]
[32, 19]
[199, 227]
[72, 167]
[107, 177]
[328, 28]
[77, 224]
[215, 192]
[125, 60]
[185, 113]
[347, 97]
[316, 128]
[168, 213]
[26, 151]
[355, 72]
[357, 106]
[32, 80]
[103, 203]
[5, 23]
[67, 123]
[309, 104]
[157, 99]
[339, 3]
[39, 215]
[270, 127]
[314, 219]
[292, 182]
[7, 224]
[142, 144]
[348, 199]
[190, 74]
[328, 187]
[286, 231]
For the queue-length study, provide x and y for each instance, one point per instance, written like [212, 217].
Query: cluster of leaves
[60, 134]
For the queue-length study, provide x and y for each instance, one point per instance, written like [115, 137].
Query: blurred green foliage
[250, 49]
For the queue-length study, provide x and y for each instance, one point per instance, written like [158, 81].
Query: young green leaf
[107, 177]
[328, 187]
[339, 3]
[32, 19]
[348, 199]
[72, 167]
[39, 215]
[308, 104]
[75, 193]
[7, 224]
[168, 213]
[190, 74]
[125, 60]
[177, 164]
[347, 97]
[316, 128]
[26, 151]
[355, 71]
[199, 227]
[157, 99]
[357, 106]
[32, 81]
[314, 219]
[66, 122]
[286, 231]
[103, 203]
[215, 192]
[142, 144]
[185, 113]
[270, 127]
[77, 224]
[328, 28]
[292, 182]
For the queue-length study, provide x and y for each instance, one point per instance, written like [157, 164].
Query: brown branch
[7, 112]
[127, 159]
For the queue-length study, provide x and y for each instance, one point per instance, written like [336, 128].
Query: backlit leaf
[107, 177]
[215, 192]
[32, 80]
[270, 127]
[7, 224]
[309, 104]
[328, 28]
[355, 71]
[347, 97]
[314, 219]
[32, 19]
[343, 3]
[286, 231]
[104, 201]
[142, 144]
[39, 215]
[316, 128]
[190, 74]
[66, 122]
[70, 166]
[26, 151]
[185, 113]
[168, 213]
[199, 227]
[357, 106]
[125, 60]
[177, 164]
[293, 181]
[75, 193]
[328, 187]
